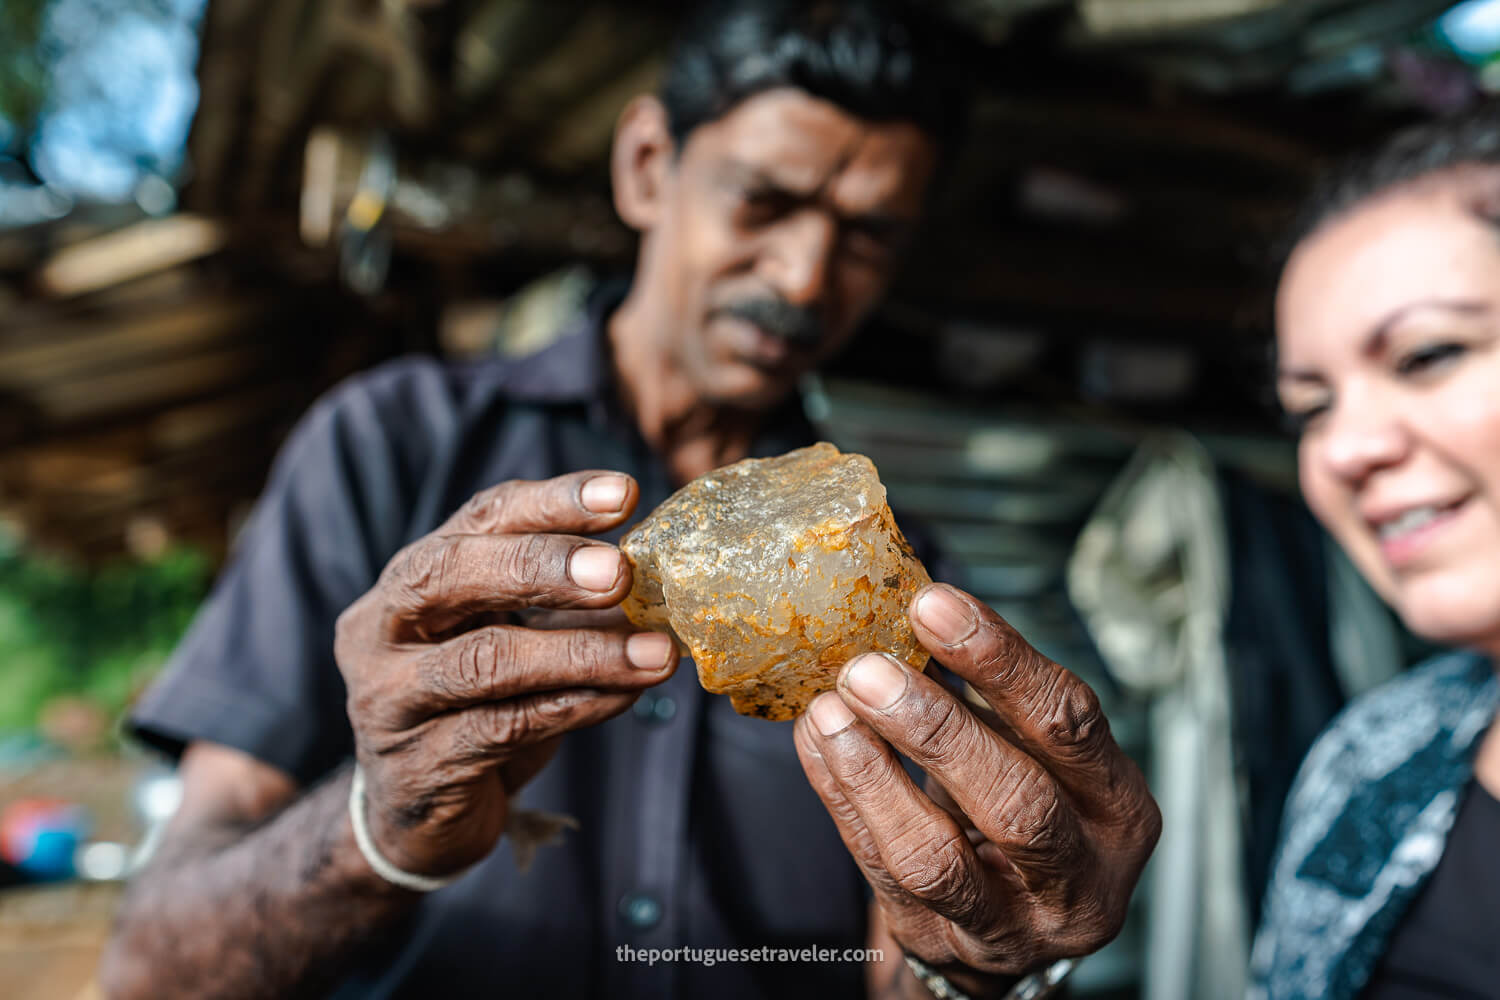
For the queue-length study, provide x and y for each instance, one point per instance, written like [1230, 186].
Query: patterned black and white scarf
[1366, 823]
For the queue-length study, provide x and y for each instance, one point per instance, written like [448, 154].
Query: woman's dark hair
[877, 59]
[1471, 138]
[1468, 139]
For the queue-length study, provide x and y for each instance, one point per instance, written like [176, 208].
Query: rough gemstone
[774, 572]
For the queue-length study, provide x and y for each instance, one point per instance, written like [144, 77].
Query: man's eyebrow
[758, 177]
[880, 224]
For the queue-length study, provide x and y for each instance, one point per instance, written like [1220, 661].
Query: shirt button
[640, 910]
[655, 708]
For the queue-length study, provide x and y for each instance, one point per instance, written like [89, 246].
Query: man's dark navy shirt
[698, 827]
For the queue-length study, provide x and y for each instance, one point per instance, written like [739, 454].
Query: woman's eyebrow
[1298, 375]
[1374, 342]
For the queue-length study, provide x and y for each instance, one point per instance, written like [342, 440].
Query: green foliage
[23, 76]
[99, 634]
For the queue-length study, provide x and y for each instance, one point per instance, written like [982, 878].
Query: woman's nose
[1362, 438]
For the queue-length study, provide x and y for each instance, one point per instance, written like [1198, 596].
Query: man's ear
[640, 163]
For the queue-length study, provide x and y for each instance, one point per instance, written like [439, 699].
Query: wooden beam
[133, 252]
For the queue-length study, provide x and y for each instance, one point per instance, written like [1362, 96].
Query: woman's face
[1388, 327]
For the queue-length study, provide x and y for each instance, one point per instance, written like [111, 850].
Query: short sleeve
[256, 670]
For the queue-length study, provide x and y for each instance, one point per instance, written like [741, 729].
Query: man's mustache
[799, 326]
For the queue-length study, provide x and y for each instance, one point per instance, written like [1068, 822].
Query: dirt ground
[51, 936]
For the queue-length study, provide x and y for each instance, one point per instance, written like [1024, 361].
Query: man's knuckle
[423, 572]
[348, 637]
[358, 705]
[1031, 811]
[1001, 655]
[863, 774]
[479, 662]
[545, 716]
[584, 652]
[525, 563]
[1075, 723]
[1149, 827]
[526, 721]
[402, 743]
[500, 726]
[487, 509]
[480, 509]
[937, 873]
[941, 732]
[1084, 926]
[559, 501]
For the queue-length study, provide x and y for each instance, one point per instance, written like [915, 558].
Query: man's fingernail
[594, 567]
[648, 650]
[946, 616]
[829, 714]
[604, 494]
[875, 680]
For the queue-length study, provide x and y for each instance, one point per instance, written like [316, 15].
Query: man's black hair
[880, 60]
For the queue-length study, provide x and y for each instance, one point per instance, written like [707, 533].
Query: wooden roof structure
[368, 174]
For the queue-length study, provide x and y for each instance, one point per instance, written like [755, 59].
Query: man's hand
[1034, 827]
[453, 709]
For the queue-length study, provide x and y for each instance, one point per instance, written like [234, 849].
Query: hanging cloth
[1150, 577]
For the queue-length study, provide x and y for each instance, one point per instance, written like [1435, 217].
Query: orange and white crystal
[773, 573]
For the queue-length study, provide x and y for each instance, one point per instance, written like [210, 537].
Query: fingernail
[947, 616]
[594, 567]
[875, 680]
[648, 650]
[829, 714]
[604, 494]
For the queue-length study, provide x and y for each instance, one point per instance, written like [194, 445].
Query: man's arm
[258, 895]
[255, 892]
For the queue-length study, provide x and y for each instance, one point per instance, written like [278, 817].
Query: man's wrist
[960, 983]
[954, 982]
[346, 855]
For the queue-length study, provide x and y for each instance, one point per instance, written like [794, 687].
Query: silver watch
[1032, 987]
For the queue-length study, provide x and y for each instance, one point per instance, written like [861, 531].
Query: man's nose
[1362, 438]
[801, 257]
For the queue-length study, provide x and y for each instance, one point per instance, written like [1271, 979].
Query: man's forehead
[806, 144]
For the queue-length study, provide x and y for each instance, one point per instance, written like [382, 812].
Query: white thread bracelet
[376, 860]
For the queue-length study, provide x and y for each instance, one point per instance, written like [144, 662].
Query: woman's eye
[1426, 358]
[1298, 422]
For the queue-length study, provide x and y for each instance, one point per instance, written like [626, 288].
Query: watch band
[1044, 983]
[1032, 987]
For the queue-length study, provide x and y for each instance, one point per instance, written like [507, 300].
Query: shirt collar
[575, 366]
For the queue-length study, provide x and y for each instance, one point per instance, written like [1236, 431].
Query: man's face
[778, 229]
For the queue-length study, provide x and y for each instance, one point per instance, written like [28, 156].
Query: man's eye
[1429, 357]
[863, 247]
[760, 204]
[869, 244]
